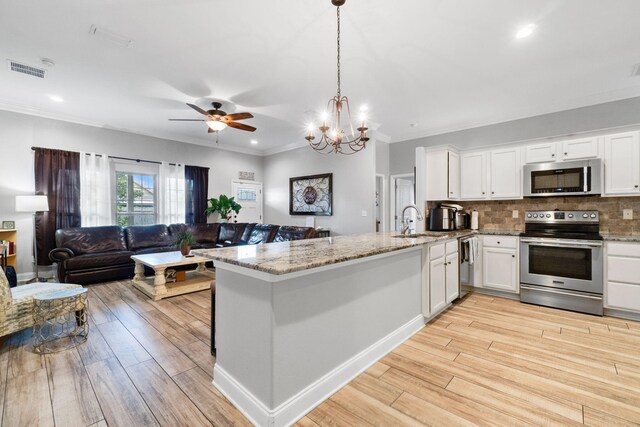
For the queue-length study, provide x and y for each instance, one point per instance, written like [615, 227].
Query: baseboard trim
[493, 293]
[300, 404]
[623, 314]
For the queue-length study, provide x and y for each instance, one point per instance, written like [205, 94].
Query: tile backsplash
[497, 214]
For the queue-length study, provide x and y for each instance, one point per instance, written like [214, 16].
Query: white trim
[273, 278]
[297, 406]
[384, 197]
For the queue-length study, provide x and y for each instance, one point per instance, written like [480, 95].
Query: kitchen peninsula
[295, 321]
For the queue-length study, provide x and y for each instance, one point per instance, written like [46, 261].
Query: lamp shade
[32, 204]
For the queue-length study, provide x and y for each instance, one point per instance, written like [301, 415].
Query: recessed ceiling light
[525, 31]
[56, 98]
[254, 142]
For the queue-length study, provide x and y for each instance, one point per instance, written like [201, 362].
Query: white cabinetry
[623, 276]
[541, 153]
[443, 277]
[584, 148]
[506, 174]
[473, 176]
[622, 163]
[500, 263]
[443, 175]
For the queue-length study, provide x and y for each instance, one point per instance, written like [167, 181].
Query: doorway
[381, 203]
[249, 195]
[402, 194]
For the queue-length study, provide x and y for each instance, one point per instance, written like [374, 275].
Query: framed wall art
[8, 225]
[311, 195]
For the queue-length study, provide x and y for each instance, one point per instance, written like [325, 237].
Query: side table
[60, 320]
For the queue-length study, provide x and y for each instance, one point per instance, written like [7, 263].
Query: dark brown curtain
[57, 175]
[197, 183]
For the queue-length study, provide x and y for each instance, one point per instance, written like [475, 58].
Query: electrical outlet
[514, 213]
[364, 213]
[627, 214]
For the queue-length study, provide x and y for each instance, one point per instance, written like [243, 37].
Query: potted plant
[184, 241]
[224, 205]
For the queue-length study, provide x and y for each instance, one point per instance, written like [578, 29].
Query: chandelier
[333, 138]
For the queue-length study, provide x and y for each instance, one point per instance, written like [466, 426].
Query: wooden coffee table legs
[158, 288]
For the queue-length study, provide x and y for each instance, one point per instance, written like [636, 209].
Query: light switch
[514, 213]
[627, 214]
[364, 213]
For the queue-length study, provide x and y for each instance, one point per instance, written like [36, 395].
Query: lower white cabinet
[442, 282]
[500, 263]
[622, 279]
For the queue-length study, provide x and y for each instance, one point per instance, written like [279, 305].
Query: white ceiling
[441, 64]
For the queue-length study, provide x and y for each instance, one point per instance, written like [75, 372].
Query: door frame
[240, 181]
[392, 196]
[383, 199]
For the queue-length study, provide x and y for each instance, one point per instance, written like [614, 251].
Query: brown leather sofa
[98, 254]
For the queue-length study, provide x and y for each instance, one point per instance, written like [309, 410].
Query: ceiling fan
[217, 119]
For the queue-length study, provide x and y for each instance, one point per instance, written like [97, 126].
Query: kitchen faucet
[405, 222]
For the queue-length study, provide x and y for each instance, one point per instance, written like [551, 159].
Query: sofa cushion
[148, 236]
[231, 232]
[90, 240]
[246, 234]
[104, 259]
[287, 233]
[205, 233]
[262, 233]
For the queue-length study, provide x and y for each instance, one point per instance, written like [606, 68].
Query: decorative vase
[185, 249]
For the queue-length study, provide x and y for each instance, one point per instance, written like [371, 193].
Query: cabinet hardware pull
[635, 186]
[513, 256]
[553, 155]
[565, 154]
[498, 242]
[483, 192]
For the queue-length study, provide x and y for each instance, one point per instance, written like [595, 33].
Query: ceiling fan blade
[239, 116]
[198, 109]
[241, 126]
[187, 120]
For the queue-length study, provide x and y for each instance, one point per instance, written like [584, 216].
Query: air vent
[26, 69]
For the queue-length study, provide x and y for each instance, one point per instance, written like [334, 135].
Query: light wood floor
[486, 361]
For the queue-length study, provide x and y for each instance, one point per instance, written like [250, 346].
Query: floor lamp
[33, 204]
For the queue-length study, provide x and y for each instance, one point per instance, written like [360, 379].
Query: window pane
[135, 199]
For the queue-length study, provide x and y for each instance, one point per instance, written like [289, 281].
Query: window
[136, 201]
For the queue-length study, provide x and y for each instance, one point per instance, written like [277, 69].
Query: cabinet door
[506, 171]
[541, 153]
[454, 176]
[500, 269]
[622, 163]
[437, 285]
[473, 176]
[575, 149]
[437, 175]
[451, 273]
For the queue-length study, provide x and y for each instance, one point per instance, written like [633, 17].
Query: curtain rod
[122, 158]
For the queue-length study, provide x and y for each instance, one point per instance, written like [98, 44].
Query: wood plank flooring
[486, 361]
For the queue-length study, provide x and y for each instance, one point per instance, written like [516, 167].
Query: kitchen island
[295, 321]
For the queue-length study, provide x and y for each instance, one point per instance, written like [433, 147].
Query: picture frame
[8, 225]
[311, 195]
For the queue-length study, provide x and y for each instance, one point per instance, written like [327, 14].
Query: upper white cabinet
[506, 174]
[473, 176]
[443, 175]
[575, 149]
[622, 163]
[541, 153]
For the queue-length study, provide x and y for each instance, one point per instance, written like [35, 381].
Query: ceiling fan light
[215, 125]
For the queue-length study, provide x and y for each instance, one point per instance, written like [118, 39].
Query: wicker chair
[16, 304]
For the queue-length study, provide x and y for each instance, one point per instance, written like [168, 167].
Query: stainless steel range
[561, 260]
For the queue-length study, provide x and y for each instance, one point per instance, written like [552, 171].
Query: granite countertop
[289, 257]
[621, 237]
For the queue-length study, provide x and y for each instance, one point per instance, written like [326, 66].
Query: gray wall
[353, 188]
[19, 132]
[601, 116]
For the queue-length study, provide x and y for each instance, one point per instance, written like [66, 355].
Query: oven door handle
[561, 244]
[555, 291]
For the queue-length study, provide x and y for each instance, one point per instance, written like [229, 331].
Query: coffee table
[157, 287]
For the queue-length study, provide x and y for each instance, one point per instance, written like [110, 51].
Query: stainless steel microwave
[577, 178]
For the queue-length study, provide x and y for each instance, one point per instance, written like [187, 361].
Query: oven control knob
[570, 215]
[593, 215]
[535, 215]
[585, 215]
[528, 215]
[548, 215]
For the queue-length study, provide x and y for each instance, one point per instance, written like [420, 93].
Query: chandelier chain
[338, 42]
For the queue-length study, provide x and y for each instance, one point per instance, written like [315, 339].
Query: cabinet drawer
[509, 242]
[451, 247]
[436, 251]
[624, 249]
[624, 296]
[620, 269]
